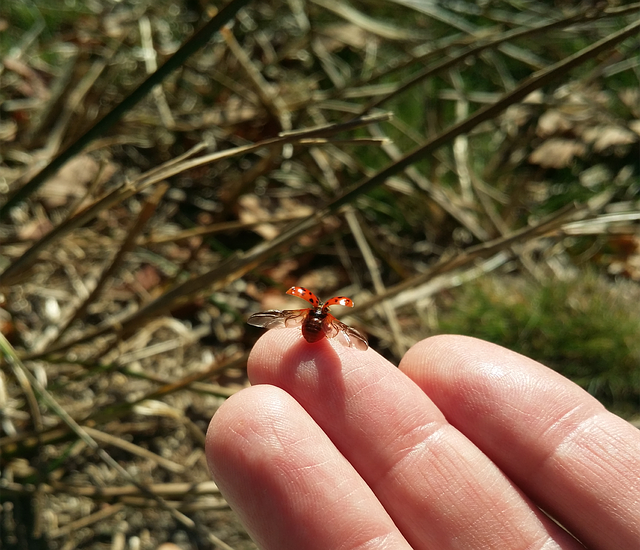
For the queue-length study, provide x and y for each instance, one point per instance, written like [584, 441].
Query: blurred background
[455, 167]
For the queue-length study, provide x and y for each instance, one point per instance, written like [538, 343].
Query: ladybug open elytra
[316, 322]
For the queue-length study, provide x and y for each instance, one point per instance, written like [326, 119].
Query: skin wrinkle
[285, 446]
[355, 536]
[559, 453]
[277, 439]
[557, 433]
[334, 503]
[300, 475]
[279, 461]
[272, 408]
[409, 436]
[492, 375]
[368, 408]
[265, 439]
[366, 387]
[463, 493]
[475, 526]
[549, 452]
[418, 452]
[241, 434]
[544, 538]
[304, 469]
[578, 439]
[585, 427]
[379, 542]
[429, 444]
[386, 380]
[360, 395]
[467, 493]
[350, 510]
[521, 385]
[479, 400]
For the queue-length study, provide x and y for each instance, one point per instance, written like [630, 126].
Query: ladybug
[316, 322]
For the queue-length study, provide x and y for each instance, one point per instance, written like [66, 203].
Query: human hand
[336, 449]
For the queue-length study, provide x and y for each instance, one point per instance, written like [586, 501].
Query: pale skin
[335, 448]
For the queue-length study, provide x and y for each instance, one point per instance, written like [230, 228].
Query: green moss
[586, 329]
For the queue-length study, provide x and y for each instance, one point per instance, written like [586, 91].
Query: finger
[572, 457]
[286, 480]
[440, 490]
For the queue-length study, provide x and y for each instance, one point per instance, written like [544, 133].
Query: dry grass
[389, 156]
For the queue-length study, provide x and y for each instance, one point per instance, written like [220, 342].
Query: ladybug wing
[331, 326]
[339, 301]
[305, 294]
[275, 318]
[346, 335]
[350, 337]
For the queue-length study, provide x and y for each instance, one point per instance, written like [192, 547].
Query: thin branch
[196, 42]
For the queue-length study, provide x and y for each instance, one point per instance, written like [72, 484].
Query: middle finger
[439, 488]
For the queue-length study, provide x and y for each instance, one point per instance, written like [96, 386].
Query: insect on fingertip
[316, 322]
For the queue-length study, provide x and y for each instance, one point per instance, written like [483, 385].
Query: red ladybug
[316, 321]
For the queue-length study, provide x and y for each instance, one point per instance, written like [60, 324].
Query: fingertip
[272, 346]
[451, 368]
[280, 356]
[448, 352]
[227, 422]
[246, 436]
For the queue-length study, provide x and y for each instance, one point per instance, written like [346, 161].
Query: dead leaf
[335, 37]
[607, 136]
[515, 117]
[319, 280]
[634, 125]
[631, 98]
[557, 153]
[8, 130]
[148, 277]
[250, 210]
[72, 179]
[32, 85]
[282, 270]
[35, 229]
[553, 122]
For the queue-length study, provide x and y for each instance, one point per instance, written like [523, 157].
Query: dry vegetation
[391, 151]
